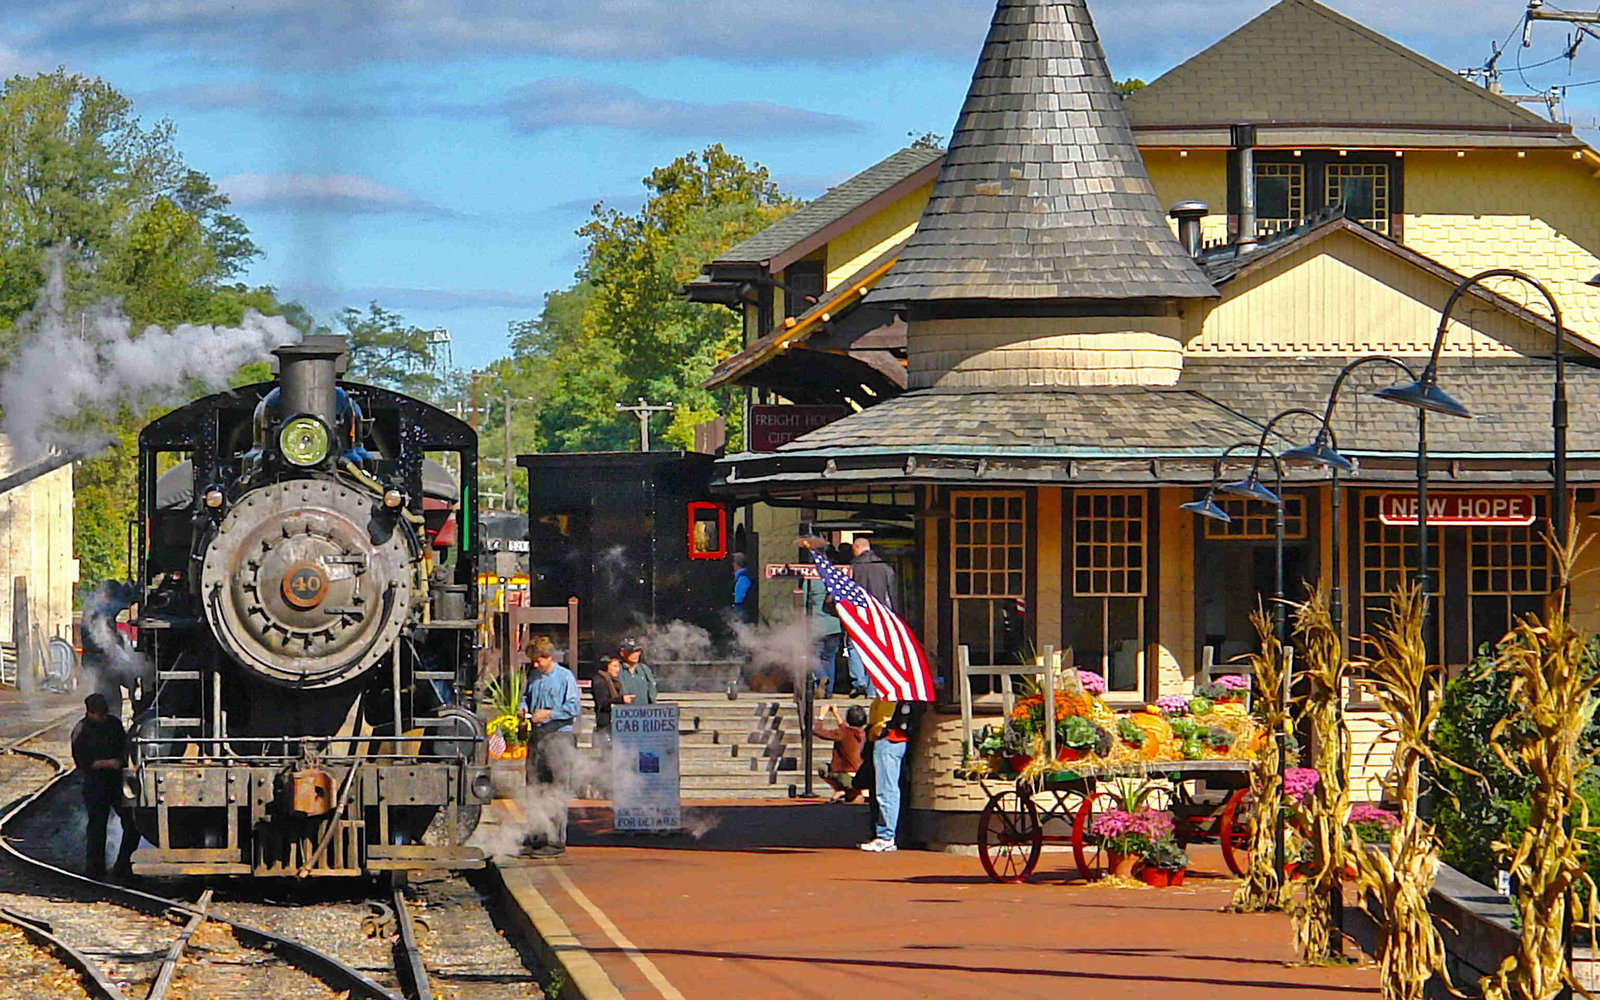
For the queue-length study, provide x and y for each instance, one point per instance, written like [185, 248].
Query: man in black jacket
[100, 751]
[876, 577]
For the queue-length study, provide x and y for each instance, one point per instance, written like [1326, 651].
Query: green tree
[1128, 86]
[387, 351]
[698, 205]
[83, 178]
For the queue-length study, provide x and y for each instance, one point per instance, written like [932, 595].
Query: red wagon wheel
[1234, 830]
[1088, 856]
[1010, 836]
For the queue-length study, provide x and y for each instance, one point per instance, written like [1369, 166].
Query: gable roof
[1226, 263]
[1300, 63]
[1043, 194]
[810, 225]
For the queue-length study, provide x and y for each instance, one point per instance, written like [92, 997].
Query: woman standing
[607, 692]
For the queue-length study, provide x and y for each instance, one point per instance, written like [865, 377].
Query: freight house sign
[1400, 509]
[772, 427]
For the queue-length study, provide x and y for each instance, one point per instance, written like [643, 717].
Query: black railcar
[306, 630]
[635, 536]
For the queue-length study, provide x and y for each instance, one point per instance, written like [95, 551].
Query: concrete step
[706, 782]
[780, 791]
[702, 768]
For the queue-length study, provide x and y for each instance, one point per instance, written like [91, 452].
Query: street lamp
[1251, 489]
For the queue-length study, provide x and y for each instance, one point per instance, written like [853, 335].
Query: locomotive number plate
[305, 585]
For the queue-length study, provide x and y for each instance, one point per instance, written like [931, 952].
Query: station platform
[772, 899]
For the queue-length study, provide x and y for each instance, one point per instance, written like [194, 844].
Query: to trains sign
[771, 427]
[1400, 509]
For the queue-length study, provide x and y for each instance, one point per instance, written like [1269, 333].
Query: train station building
[1040, 367]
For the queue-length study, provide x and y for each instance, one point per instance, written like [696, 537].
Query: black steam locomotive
[307, 626]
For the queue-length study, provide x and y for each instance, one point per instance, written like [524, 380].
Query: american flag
[893, 658]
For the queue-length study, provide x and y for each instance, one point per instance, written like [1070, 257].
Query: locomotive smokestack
[307, 373]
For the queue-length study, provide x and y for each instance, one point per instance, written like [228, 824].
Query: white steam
[94, 361]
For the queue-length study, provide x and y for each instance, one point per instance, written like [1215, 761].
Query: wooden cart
[1209, 800]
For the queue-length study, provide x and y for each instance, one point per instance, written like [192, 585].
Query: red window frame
[721, 551]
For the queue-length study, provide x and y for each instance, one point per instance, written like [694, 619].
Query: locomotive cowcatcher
[307, 629]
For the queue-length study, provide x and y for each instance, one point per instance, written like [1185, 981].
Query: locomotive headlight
[304, 441]
[214, 498]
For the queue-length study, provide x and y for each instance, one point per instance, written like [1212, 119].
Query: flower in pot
[1230, 688]
[1125, 836]
[1299, 783]
[1075, 737]
[1173, 704]
[1164, 863]
[1371, 824]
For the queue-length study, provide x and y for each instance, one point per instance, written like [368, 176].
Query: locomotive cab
[310, 709]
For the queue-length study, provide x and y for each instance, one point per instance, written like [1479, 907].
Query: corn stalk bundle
[1394, 884]
[1262, 888]
[1321, 818]
[1552, 694]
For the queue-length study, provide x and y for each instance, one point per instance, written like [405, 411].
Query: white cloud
[336, 193]
[565, 102]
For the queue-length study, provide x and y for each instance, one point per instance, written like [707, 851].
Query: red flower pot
[1121, 864]
[1066, 754]
[1020, 761]
[1176, 877]
[1158, 877]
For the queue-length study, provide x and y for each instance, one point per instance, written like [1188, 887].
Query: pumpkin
[1156, 729]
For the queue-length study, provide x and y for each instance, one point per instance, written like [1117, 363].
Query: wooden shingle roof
[1302, 64]
[1043, 194]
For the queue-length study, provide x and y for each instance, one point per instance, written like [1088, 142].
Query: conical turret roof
[1043, 194]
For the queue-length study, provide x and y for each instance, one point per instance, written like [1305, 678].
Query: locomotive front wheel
[1088, 856]
[1234, 831]
[1010, 836]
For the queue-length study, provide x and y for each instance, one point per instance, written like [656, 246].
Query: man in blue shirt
[550, 709]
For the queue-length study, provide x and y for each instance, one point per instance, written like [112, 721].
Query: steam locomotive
[307, 624]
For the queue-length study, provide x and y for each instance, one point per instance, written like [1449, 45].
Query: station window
[1508, 575]
[1363, 190]
[1255, 521]
[1280, 196]
[1104, 617]
[988, 580]
[708, 530]
[1388, 562]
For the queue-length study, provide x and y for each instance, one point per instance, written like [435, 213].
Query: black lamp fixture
[1320, 452]
[1208, 507]
[1251, 488]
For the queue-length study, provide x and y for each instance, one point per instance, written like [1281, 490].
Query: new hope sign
[1400, 509]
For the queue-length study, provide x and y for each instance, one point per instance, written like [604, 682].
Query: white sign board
[644, 762]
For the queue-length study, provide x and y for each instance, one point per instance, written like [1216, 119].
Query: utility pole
[642, 410]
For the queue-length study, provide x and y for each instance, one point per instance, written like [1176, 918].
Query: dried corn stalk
[1409, 691]
[1262, 888]
[1553, 679]
[1321, 818]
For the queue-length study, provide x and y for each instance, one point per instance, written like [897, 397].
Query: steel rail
[42, 934]
[407, 953]
[337, 973]
[169, 962]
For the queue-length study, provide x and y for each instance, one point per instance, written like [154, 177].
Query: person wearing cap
[550, 709]
[100, 751]
[638, 680]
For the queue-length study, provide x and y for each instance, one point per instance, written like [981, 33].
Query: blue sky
[437, 154]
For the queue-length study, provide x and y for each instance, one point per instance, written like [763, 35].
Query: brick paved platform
[773, 901]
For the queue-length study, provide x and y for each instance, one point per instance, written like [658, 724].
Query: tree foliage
[82, 177]
[622, 331]
[387, 351]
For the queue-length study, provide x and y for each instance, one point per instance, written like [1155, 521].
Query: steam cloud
[92, 361]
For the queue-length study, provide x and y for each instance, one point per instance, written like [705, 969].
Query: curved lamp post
[1251, 488]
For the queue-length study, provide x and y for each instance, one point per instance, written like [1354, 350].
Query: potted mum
[1373, 825]
[1126, 836]
[1229, 689]
[1165, 863]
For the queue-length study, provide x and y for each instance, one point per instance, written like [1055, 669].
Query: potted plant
[1371, 824]
[1165, 863]
[1075, 737]
[504, 695]
[1125, 836]
[1228, 689]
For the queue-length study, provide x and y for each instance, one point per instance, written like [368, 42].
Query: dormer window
[1280, 196]
[1363, 189]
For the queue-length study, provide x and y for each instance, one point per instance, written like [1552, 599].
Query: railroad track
[126, 944]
